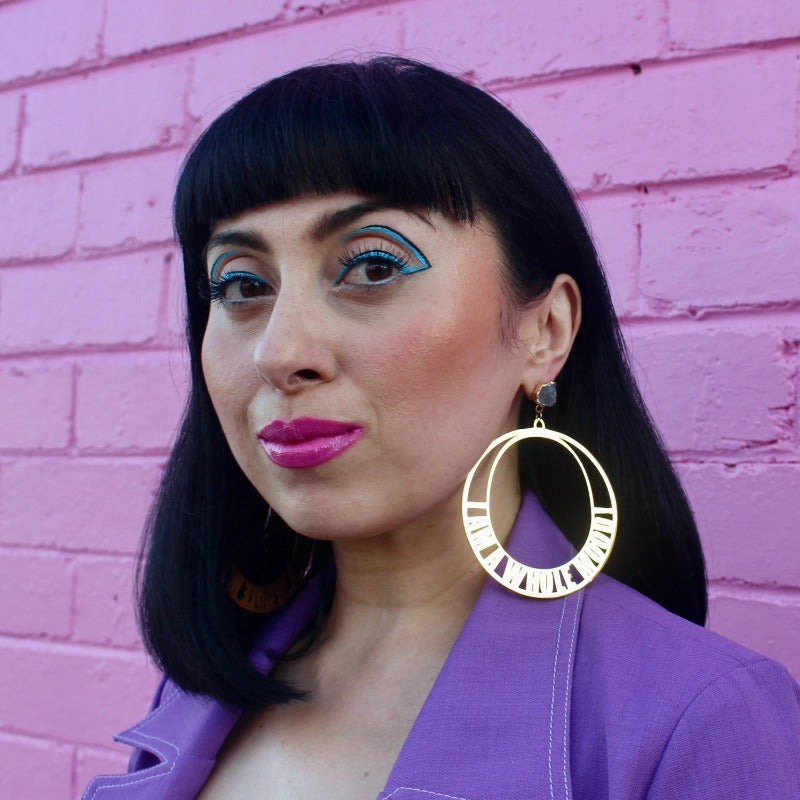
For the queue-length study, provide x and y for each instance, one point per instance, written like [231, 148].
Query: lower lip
[297, 455]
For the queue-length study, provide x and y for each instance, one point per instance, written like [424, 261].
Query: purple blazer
[602, 695]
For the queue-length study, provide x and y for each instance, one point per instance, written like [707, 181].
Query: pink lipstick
[307, 441]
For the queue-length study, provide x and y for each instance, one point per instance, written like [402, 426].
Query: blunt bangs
[345, 127]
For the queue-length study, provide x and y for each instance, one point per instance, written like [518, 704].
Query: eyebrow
[323, 226]
[330, 222]
[238, 238]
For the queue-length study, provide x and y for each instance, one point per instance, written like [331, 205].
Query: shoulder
[667, 704]
[633, 634]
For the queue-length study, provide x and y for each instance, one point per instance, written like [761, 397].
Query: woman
[385, 273]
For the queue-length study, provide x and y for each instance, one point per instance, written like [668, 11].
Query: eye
[370, 267]
[238, 287]
[369, 263]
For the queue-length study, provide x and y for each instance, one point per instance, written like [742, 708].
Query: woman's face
[356, 358]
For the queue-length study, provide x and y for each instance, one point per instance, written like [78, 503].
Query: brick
[714, 390]
[44, 35]
[9, 127]
[83, 695]
[612, 223]
[115, 111]
[678, 120]
[40, 215]
[128, 202]
[698, 24]
[518, 38]
[36, 407]
[738, 246]
[747, 516]
[224, 72]
[113, 300]
[38, 587]
[34, 767]
[131, 403]
[91, 761]
[104, 601]
[76, 504]
[767, 627]
[151, 23]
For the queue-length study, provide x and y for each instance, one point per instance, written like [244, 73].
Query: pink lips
[306, 441]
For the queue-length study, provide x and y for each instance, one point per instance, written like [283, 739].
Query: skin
[433, 364]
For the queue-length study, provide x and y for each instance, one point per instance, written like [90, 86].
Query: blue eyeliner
[403, 268]
[217, 260]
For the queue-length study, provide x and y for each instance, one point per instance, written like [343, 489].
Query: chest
[314, 749]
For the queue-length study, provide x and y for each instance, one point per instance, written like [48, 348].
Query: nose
[294, 349]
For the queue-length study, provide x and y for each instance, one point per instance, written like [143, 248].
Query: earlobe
[548, 330]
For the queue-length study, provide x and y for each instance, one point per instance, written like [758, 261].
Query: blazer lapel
[185, 731]
[496, 721]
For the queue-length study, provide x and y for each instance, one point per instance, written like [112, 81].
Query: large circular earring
[531, 581]
[258, 597]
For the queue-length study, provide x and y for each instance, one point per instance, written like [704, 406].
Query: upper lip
[303, 429]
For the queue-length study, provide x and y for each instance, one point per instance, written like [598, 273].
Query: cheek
[444, 367]
[228, 373]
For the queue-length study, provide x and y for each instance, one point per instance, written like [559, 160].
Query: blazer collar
[185, 731]
[495, 723]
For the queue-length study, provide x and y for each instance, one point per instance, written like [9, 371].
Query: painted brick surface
[103, 597]
[89, 692]
[111, 393]
[9, 126]
[735, 246]
[739, 504]
[729, 115]
[104, 285]
[39, 391]
[81, 504]
[127, 202]
[34, 767]
[712, 390]
[147, 96]
[677, 124]
[31, 47]
[44, 211]
[699, 24]
[612, 221]
[36, 590]
[151, 23]
[743, 618]
[506, 41]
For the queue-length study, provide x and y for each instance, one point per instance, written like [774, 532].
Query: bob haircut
[406, 134]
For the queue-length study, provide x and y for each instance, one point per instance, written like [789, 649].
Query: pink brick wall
[675, 120]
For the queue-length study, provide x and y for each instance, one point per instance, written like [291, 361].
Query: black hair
[412, 136]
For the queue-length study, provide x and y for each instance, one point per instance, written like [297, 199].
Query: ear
[547, 331]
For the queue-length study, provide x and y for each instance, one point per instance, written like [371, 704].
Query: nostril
[307, 374]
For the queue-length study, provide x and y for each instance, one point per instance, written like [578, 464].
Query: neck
[420, 573]
[401, 599]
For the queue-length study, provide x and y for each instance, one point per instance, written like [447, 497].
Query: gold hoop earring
[262, 598]
[526, 580]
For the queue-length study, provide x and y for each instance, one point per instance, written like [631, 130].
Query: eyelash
[217, 286]
[354, 258]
